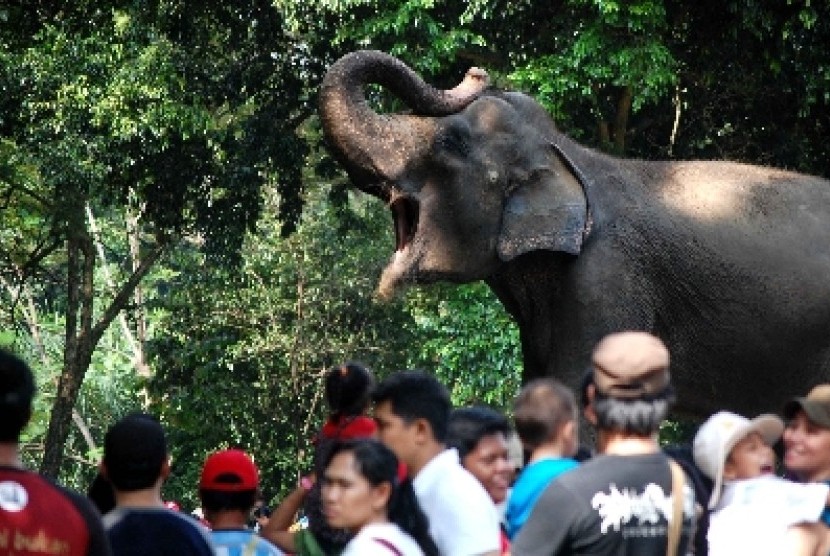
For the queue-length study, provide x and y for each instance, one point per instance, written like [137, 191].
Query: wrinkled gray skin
[728, 263]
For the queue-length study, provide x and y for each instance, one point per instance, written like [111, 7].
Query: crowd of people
[398, 471]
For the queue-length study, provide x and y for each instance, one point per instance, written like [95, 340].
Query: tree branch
[122, 297]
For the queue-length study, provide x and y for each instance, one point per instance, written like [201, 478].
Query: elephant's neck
[529, 288]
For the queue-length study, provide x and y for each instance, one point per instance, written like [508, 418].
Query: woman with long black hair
[363, 492]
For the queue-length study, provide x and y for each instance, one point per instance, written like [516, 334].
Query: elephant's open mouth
[405, 213]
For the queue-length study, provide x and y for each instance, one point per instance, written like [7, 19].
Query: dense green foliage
[175, 237]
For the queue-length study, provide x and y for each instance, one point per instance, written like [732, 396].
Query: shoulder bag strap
[678, 479]
[388, 545]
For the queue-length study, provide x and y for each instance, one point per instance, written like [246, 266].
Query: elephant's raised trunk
[375, 147]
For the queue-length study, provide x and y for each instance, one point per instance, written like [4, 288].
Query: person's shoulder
[579, 481]
[47, 508]
[548, 467]
[188, 532]
[376, 538]
[456, 479]
[198, 536]
[44, 488]
[436, 471]
[38, 485]
[538, 475]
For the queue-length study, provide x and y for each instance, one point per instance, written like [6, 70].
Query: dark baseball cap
[816, 404]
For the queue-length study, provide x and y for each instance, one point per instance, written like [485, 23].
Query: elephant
[728, 263]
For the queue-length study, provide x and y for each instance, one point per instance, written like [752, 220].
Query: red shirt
[349, 427]
[39, 517]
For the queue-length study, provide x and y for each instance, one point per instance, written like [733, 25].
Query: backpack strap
[389, 545]
[678, 479]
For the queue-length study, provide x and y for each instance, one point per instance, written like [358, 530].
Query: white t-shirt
[753, 515]
[462, 517]
[366, 543]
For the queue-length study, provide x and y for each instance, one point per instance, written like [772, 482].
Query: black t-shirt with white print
[610, 506]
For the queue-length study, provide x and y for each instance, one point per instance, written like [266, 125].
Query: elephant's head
[472, 176]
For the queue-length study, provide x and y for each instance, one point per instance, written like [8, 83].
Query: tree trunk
[77, 353]
[82, 336]
[621, 119]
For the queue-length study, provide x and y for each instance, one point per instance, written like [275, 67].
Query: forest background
[176, 238]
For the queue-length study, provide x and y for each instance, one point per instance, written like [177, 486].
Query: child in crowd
[347, 389]
[546, 422]
[753, 511]
[228, 488]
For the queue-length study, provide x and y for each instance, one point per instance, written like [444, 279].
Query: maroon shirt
[39, 517]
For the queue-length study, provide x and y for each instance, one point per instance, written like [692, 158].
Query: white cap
[719, 434]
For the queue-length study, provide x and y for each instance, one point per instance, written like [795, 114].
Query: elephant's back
[753, 196]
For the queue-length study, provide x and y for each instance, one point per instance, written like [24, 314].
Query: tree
[113, 110]
[246, 349]
[170, 122]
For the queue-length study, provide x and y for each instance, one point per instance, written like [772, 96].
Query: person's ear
[380, 496]
[588, 411]
[102, 469]
[568, 433]
[165, 468]
[423, 430]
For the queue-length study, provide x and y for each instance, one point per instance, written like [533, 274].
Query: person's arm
[284, 540]
[542, 534]
[806, 539]
[283, 516]
[276, 530]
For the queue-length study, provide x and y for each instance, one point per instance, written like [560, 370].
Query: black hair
[135, 449]
[541, 409]
[468, 425]
[262, 511]
[417, 395]
[378, 465]
[101, 494]
[17, 389]
[347, 389]
[638, 416]
[219, 501]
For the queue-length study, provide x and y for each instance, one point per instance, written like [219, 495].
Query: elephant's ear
[546, 210]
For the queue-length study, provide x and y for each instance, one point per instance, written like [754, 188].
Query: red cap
[229, 471]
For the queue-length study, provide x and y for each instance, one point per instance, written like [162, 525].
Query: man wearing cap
[36, 515]
[625, 499]
[136, 464]
[807, 438]
[228, 489]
